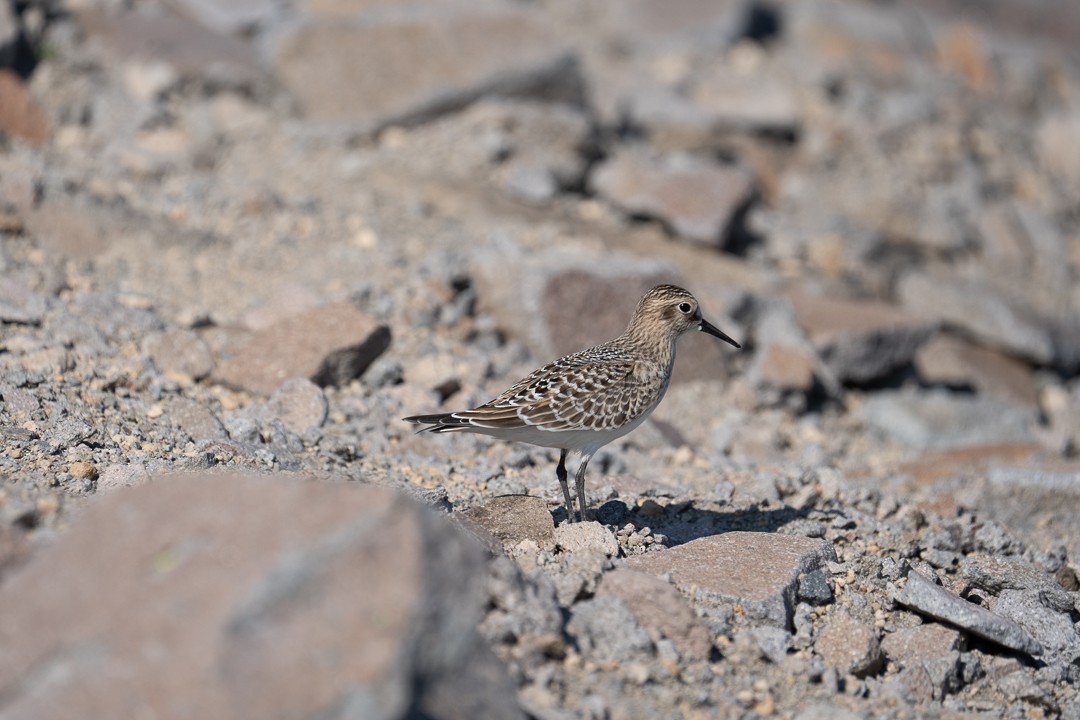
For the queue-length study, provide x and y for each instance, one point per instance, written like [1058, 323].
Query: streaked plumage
[583, 401]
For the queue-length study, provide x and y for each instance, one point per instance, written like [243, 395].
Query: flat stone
[513, 518]
[758, 572]
[698, 200]
[994, 319]
[329, 345]
[948, 360]
[924, 596]
[661, 609]
[364, 71]
[938, 419]
[785, 367]
[586, 536]
[1009, 573]
[224, 594]
[849, 645]
[860, 341]
[180, 353]
[19, 403]
[299, 404]
[20, 116]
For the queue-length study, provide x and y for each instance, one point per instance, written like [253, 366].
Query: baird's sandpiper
[583, 401]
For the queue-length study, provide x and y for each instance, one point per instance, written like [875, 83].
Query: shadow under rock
[682, 522]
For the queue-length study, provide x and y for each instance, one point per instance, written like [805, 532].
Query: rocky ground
[240, 240]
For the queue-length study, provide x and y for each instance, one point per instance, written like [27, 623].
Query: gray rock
[814, 588]
[231, 16]
[758, 572]
[19, 303]
[773, 641]
[513, 518]
[860, 341]
[1000, 573]
[191, 49]
[120, 475]
[194, 419]
[263, 609]
[586, 536]
[924, 596]
[1053, 630]
[995, 319]
[658, 607]
[934, 649]
[606, 631]
[361, 70]
[697, 199]
[849, 645]
[299, 404]
[937, 419]
[179, 353]
[329, 345]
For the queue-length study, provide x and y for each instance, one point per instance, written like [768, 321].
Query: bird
[587, 399]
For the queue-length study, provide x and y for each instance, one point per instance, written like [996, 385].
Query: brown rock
[19, 115]
[330, 345]
[180, 353]
[365, 71]
[300, 405]
[849, 645]
[229, 595]
[948, 360]
[513, 518]
[698, 200]
[83, 470]
[758, 572]
[658, 607]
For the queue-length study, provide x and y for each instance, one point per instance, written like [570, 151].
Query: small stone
[583, 536]
[850, 646]
[118, 476]
[299, 404]
[999, 573]
[83, 470]
[180, 353]
[814, 588]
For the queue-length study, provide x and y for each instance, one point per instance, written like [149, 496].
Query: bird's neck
[658, 348]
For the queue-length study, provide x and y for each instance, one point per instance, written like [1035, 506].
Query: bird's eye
[685, 308]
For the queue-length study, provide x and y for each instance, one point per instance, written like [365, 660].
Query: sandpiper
[583, 401]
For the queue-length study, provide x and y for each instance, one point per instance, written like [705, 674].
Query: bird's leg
[560, 471]
[580, 481]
